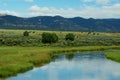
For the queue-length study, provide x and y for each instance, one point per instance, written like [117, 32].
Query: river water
[83, 66]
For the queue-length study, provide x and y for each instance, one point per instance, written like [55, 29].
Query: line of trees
[51, 37]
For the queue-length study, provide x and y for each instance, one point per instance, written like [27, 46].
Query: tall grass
[13, 61]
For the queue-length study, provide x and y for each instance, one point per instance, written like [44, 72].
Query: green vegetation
[26, 33]
[113, 56]
[35, 38]
[49, 37]
[14, 60]
[22, 50]
[70, 36]
[19, 59]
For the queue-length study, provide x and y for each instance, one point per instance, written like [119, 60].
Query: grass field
[16, 38]
[14, 60]
[19, 54]
[38, 32]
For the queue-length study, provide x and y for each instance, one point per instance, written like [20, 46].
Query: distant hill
[59, 23]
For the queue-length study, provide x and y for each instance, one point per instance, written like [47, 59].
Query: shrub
[70, 37]
[54, 38]
[26, 33]
[89, 33]
[49, 37]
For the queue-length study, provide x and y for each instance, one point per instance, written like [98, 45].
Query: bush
[49, 37]
[70, 37]
[26, 33]
[54, 38]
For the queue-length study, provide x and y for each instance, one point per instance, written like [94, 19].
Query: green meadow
[19, 53]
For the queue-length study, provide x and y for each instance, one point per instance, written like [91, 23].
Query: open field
[16, 38]
[38, 32]
[14, 60]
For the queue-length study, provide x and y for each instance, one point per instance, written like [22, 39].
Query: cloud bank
[100, 9]
[86, 12]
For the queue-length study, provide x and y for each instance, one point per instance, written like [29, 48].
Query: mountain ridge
[60, 23]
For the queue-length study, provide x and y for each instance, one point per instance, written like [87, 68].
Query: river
[83, 66]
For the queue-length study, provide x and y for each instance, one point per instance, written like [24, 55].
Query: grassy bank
[18, 59]
[14, 60]
[113, 56]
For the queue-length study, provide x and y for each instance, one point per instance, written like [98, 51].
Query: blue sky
[65, 8]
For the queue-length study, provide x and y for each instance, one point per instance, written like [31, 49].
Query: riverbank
[14, 60]
[115, 56]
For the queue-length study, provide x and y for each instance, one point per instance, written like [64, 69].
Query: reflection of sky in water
[81, 67]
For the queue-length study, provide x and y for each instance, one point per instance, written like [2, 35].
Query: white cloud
[9, 12]
[87, 12]
[29, 0]
[98, 1]
[104, 12]
[34, 8]
[102, 1]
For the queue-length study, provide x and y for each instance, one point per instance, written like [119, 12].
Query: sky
[65, 8]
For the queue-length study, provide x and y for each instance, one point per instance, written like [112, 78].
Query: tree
[70, 37]
[49, 37]
[54, 38]
[89, 33]
[26, 33]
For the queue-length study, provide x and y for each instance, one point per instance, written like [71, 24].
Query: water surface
[85, 66]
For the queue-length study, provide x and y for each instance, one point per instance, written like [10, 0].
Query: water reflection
[86, 66]
[69, 56]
